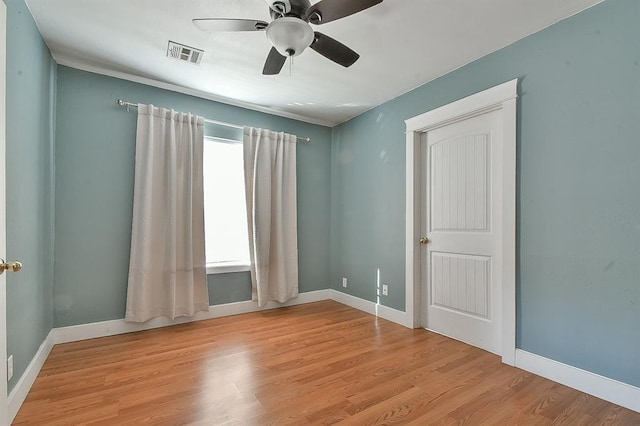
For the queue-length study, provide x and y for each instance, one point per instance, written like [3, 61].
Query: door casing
[501, 98]
[3, 225]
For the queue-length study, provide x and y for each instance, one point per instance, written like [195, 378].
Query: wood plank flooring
[320, 363]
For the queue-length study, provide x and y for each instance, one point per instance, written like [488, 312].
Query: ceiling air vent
[184, 53]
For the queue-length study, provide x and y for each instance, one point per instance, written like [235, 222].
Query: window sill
[227, 267]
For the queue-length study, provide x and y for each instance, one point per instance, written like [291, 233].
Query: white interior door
[461, 195]
[3, 233]
[461, 218]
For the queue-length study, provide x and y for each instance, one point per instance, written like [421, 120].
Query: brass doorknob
[13, 266]
[424, 240]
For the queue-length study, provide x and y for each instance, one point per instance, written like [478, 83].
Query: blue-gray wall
[95, 147]
[29, 171]
[578, 200]
[578, 205]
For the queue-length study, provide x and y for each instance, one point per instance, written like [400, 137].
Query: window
[225, 213]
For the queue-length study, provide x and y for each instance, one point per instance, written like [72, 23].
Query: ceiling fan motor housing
[296, 8]
[279, 6]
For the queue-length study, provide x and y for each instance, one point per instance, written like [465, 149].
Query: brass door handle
[424, 240]
[13, 266]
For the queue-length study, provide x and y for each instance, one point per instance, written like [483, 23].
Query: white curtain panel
[167, 269]
[270, 182]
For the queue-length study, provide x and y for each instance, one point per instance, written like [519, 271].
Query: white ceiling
[403, 44]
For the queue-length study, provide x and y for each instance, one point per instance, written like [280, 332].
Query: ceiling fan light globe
[290, 36]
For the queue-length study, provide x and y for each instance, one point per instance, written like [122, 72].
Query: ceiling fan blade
[329, 10]
[275, 62]
[218, 24]
[334, 50]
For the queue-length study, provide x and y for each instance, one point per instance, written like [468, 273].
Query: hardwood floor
[320, 363]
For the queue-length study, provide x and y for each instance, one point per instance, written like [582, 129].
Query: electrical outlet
[344, 282]
[9, 367]
[385, 290]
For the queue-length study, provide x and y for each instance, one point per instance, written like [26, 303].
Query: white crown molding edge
[602, 387]
[186, 91]
[20, 391]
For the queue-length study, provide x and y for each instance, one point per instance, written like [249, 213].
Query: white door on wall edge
[461, 262]
[3, 234]
[461, 220]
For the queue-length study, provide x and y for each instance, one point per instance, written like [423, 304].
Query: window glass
[224, 204]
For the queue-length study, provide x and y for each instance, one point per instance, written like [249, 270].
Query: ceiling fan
[290, 32]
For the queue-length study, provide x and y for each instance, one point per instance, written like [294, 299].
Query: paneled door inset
[461, 221]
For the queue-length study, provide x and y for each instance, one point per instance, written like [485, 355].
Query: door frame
[3, 225]
[499, 98]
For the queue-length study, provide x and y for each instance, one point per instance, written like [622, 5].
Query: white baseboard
[20, 391]
[94, 330]
[619, 393]
[372, 308]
